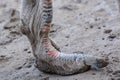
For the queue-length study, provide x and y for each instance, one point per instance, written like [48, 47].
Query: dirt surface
[88, 26]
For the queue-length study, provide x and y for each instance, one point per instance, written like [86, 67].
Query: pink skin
[47, 44]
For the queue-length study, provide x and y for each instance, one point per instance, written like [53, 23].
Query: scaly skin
[67, 64]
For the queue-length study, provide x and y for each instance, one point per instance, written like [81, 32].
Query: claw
[96, 68]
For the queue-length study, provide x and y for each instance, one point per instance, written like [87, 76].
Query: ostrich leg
[36, 17]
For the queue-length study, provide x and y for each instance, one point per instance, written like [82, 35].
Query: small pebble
[29, 51]
[27, 72]
[112, 36]
[99, 27]
[103, 38]
[91, 26]
[18, 68]
[108, 31]
[104, 26]
[67, 36]
[66, 45]
[25, 49]
[28, 66]
[105, 45]
[93, 74]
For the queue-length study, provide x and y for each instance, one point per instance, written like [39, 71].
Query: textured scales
[36, 18]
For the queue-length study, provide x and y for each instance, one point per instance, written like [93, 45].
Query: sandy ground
[88, 26]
